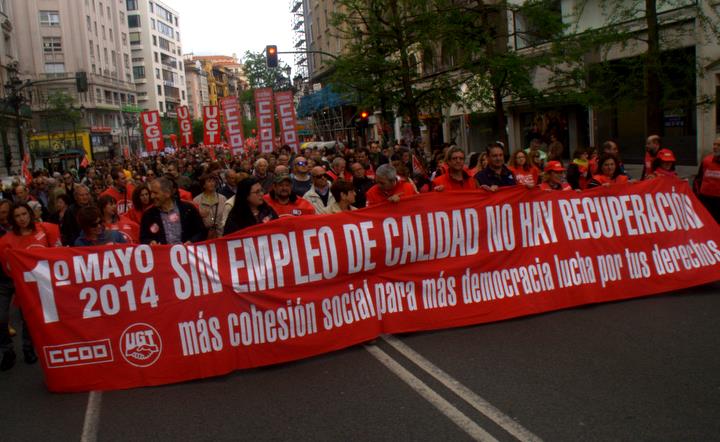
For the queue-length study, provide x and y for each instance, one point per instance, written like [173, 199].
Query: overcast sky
[224, 27]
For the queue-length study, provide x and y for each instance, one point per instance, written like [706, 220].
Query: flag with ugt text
[185, 124]
[211, 125]
[152, 130]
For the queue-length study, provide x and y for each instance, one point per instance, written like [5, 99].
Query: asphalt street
[644, 369]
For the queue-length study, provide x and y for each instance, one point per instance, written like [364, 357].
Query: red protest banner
[211, 122]
[286, 115]
[126, 316]
[233, 124]
[152, 131]
[185, 124]
[265, 119]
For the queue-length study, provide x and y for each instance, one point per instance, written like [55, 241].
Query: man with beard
[284, 201]
[652, 147]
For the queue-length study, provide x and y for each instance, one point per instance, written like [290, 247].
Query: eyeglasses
[301, 163]
[457, 159]
[317, 177]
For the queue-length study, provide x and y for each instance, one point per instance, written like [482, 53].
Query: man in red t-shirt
[388, 187]
[282, 199]
[652, 146]
[120, 190]
[456, 177]
[707, 181]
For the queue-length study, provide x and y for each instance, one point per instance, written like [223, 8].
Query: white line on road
[92, 417]
[445, 407]
[472, 398]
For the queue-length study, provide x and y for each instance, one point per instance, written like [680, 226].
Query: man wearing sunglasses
[301, 179]
[319, 194]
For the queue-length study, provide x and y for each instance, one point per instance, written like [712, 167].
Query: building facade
[12, 126]
[196, 82]
[156, 56]
[56, 40]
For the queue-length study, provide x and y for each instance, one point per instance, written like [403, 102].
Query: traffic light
[81, 82]
[272, 56]
[363, 119]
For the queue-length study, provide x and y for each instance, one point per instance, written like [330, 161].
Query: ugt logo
[140, 345]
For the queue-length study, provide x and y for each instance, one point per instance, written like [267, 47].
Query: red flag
[286, 116]
[233, 124]
[26, 169]
[84, 162]
[211, 150]
[265, 119]
[211, 122]
[152, 131]
[186, 135]
[418, 167]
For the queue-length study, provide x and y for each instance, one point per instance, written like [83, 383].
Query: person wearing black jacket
[169, 220]
[361, 183]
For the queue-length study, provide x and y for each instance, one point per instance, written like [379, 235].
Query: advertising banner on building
[265, 115]
[185, 124]
[125, 316]
[233, 124]
[211, 123]
[152, 131]
[286, 116]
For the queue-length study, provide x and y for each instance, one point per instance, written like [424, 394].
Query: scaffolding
[299, 38]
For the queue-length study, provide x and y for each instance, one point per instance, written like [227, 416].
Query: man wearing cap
[552, 179]
[456, 177]
[282, 199]
[319, 194]
[707, 181]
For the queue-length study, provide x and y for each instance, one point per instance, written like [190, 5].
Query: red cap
[666, 155]
[554, 166]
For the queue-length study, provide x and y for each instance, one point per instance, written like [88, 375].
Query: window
[111, 34]
[152, 23]
[122, 16]
[108, 12]
[161, 106]
[103, 32]
[114, 59]
[132, 5]
[94, 68]
[154, 40]
[177, 34]
[157, 73]
[92, 51]
[95, 25]
[134, 38]
[138, 59]
[164, 44]
[126, 59]
[98, 95]
[152, 8]
[124, 38]
[101, 9]
[133, 21]
[165, 29]
[159, 88]
[98, 51]
[138, 72]
[183, 95]
[157, 59]
[89, 23]
[164, 14]
[106, 55]
[51, 45]
[49, 18]
[54, 68]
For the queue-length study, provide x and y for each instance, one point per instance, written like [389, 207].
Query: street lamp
[130, 120]
[15, 99]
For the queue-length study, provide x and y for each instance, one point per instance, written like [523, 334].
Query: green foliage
[260, 76]
[61, 109]
[198, 130]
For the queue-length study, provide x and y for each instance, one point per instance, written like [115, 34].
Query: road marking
[486, 408]
[445, 407]
[92, 417]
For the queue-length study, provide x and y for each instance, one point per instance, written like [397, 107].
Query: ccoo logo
[140, 345]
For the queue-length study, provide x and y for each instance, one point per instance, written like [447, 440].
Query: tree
[661, 75]
[260, 76]
[380, 64]
[61, 111]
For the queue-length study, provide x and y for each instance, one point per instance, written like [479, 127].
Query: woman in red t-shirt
[128, 228]
[525, 173]
[141, 201]
[25, 233]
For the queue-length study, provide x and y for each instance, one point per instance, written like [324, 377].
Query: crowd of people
[199, 193]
